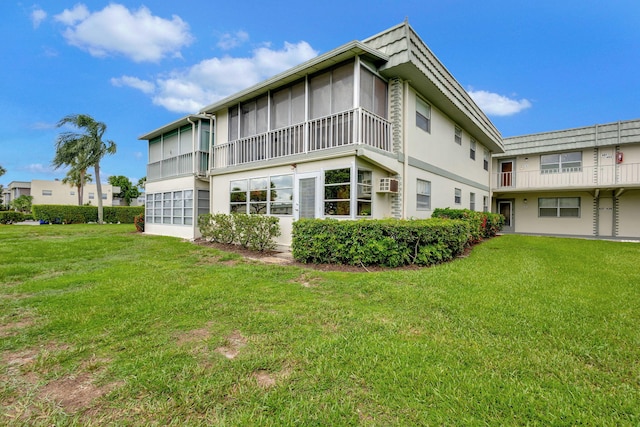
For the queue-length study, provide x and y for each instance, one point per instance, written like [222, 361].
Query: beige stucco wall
[526, 218]
[64, 194]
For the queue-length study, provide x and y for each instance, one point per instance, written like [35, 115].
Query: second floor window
[423, 115]
[472, 149]
[457, 137]
[485, 162]
[562, 162]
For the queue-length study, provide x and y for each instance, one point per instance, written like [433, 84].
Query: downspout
[193, 145]
[212, 120]
[405, 150]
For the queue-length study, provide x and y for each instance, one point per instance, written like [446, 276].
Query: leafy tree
[84, 148]
[2, 170]
[77, 178]
[128, 191]
[142, 182]
[22, 203]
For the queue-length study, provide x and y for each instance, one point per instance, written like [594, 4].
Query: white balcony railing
[347, 128]
[590, 176]
[178, 166]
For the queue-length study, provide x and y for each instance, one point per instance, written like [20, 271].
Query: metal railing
[590, 176]
[347, 128]
[178, 166]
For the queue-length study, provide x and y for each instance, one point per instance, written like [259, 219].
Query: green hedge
[69, 214]
[388, 242]
[483, 224]
[255, 232]
[11, 217]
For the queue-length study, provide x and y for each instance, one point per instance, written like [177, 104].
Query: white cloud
[37, 16]
[494, 104]
[229, 41]
[116, 30]
[144, 86]
[187, 91]
[73, 16]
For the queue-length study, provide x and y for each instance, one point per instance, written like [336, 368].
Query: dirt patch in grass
[266, 379]
[195, 335]
[234, 343]
[32, 395]
[306, 281]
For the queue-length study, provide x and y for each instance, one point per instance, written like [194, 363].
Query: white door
[308, 192]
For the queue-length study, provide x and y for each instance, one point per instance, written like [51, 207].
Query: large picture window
[337, 192]
[265, 195]
[559, 207]
[562, 162]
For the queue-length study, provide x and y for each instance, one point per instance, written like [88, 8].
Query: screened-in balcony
[349, 128]
[625, 174]
[179, 166]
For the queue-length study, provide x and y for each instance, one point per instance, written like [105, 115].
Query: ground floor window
[337, 192]
[485, 203]
[559, 207]
[169, 207]
[272, 195]
[423, 195]
[364, 193]
[472, 201]
[457, 197]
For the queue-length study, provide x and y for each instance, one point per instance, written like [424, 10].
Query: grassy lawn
[101, 325]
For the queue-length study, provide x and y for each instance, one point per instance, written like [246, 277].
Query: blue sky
[532, 66]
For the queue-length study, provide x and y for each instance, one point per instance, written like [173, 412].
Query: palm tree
[84, 148]
[77, 177]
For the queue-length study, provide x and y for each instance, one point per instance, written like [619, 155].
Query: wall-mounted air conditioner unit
[388, 185]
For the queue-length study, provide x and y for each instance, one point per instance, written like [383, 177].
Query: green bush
[389, 242]
[11, 217]
[483, 224]
[255, 232]
[70, 214]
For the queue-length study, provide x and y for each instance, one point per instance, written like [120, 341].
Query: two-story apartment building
[372, 129]
[48, 192]
[583, 181]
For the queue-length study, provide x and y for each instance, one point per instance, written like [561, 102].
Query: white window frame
[423, 115]
[457, 196]
[559, 207]
[246, 190]
[560, 162]
[472, 201]
[423, 195]
[457, 136]
[472, 149]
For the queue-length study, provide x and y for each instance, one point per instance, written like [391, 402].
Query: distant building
[57, 193]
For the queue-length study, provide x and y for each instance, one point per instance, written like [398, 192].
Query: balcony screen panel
[155, 152]
[320, 95]
[248, 120]
[233, 123]
[366, 89]
[262, 114]
[342, 88]
[297, 103]
[380, 97]
[280, 108]
[186, 141]
[170, 145]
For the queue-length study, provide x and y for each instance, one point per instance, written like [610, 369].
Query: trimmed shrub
[483, 224]
[389, 242]
[70, 214]
[11, 217]
[255, 232]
